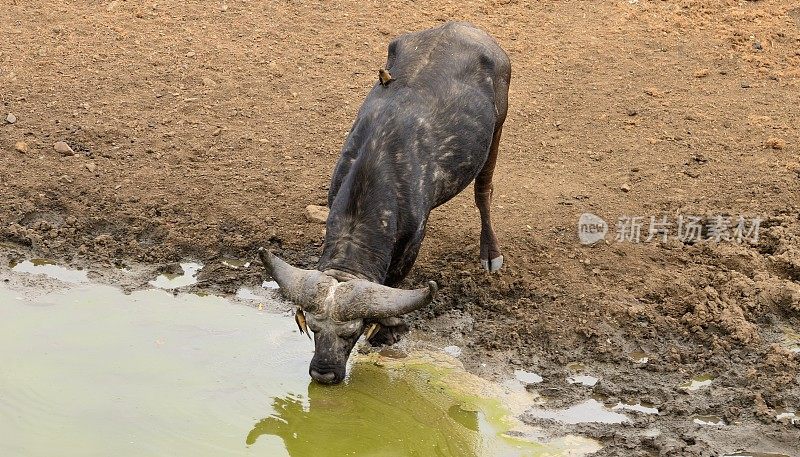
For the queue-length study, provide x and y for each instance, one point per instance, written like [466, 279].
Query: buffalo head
[338, 311]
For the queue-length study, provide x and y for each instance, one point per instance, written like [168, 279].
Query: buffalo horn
[306, 288]
[362, 299]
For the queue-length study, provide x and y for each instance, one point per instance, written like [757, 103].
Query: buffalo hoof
[492, 265]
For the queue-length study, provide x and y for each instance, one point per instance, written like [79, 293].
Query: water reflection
[372, 414]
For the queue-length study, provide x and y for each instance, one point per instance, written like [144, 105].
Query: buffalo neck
[362, 225]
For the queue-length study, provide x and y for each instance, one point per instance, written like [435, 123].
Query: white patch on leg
[492, 265]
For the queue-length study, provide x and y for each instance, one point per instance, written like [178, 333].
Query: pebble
[22, 147]
[104, 238]
[11, 118]
[63, 149]
[625, 187]
[91, 166]
[318, 214]
[653, 92]
[775, 143]
[701, 73]
[209, 82]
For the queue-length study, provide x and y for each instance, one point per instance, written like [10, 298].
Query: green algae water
[90, 371]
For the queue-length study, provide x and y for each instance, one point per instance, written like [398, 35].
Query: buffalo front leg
[491, 258]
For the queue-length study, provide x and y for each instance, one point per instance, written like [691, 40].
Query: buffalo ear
[300, 318]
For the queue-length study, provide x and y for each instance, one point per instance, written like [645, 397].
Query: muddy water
[50, 268]
[88, 370]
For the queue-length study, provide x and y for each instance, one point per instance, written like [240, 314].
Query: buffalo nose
[324, 378]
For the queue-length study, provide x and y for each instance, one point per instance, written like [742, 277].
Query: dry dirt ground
[203, 128]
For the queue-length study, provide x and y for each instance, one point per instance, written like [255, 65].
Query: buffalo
[429, 126]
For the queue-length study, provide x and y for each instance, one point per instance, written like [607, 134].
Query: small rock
[632, 111]
[745, 85]
[760, 121]
[91, 166]
[21, 147]
[775, 143]
[701, 73]
[318, 214]
[653, 92]
[625, 187]
[63, 149]
[11, 118]
[757, 46]
[209, 82]
[691, 173]
[104, 239]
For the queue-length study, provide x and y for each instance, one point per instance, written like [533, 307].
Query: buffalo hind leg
[491, 258]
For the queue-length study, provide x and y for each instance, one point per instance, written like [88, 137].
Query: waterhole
[89, 370]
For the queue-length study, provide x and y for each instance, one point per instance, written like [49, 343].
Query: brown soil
[202, 129]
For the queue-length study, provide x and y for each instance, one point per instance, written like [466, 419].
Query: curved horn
[362, 299]
[307, 288]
